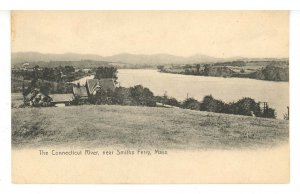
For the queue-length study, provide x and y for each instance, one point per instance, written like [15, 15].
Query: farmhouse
[37, 98]
[93, 85]
[61, 99]
[80, 94]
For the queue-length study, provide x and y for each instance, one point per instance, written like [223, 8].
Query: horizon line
[45, 53]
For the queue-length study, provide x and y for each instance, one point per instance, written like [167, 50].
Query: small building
[36, 98]
[93, 85]
[80, 94]
[61, 99]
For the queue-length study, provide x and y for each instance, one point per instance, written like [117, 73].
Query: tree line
[142, 96]
[272, 71]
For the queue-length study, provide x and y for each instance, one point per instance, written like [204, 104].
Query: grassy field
[16, 100]
[91, 126]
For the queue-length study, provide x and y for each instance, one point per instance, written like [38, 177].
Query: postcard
[150, 97]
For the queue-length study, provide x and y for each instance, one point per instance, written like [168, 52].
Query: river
[225, 89]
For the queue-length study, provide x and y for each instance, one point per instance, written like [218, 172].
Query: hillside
[22, 57]
[125, 58]
[272, 70]
[142, 127]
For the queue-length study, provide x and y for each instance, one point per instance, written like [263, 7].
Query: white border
[149, 4]
[5, 148]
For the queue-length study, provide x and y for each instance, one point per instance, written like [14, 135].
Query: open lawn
[92, 126]
[16, 100]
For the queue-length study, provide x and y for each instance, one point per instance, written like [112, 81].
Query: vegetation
[166, 100]
[192, 104]
[137, 95]
[79, 64]
[140, 96]
[49, 80]
[245, 106]
[272, 73]
[133, 96]
[262, 70]
[142, 127]
[106, 72]
[57, 74]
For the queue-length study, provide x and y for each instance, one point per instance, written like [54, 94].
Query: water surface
[225, 89]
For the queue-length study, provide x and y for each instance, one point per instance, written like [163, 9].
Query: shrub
[142, 96]
[102, 97]
[191, 103]
[211, 105]
[167, 100]
[269, 113]
[122, 96]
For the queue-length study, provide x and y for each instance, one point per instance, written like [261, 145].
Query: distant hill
[22, 57]
[125, 58]
[156, 59]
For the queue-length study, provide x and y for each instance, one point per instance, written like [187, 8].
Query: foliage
[161, 67]
[167, 100]
[191, 103]
[106, 72]
[56, 74]
[136, 96]
[122, 96]
[245, 106]
[103, 97]
[211, 105]
[142, 96]
[269, 113]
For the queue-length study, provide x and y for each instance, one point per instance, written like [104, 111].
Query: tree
[269, 113]
[198, 68]
[161, 67]
[246, 106]
[212, 105]
[106, 72]
[142, 96]
[191, 103]
[173, 102]
[68, 70]
[121, 96]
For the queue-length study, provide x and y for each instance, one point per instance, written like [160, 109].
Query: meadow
[95, 126]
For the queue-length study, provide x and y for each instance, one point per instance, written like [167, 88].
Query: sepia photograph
[150, 97]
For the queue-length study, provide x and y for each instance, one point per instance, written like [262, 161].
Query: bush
[102, 97]
[269, 113]
[211, 105]
[142, 96]
[173, 102]
[167, 100]
[122, 96]
[245, 106]
[192, 104]
[136, 96]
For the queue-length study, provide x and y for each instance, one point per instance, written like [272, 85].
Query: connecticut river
[225, 89]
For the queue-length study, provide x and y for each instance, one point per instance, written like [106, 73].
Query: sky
[182, 33]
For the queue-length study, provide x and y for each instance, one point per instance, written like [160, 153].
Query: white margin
[149, 4]
[5, 137]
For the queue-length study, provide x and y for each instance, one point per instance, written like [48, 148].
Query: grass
[92, 126]
[16, 100]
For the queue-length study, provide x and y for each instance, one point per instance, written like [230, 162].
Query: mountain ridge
[127, 58]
